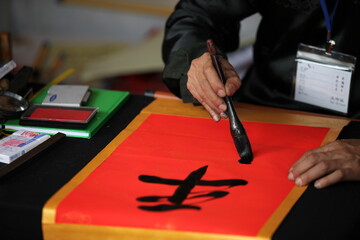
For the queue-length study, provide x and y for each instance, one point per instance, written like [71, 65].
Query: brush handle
[235, 124]
[237, 130]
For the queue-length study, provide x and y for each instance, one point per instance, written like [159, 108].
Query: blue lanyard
[329, 22]
[328, 18]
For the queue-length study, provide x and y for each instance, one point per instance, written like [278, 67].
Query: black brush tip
[243, 147]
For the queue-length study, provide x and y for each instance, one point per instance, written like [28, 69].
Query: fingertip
[299, 182]
[216, 118]
[318, 185]
[223, 115]
[221, 93]
[212, 113]
[222, 107]
[230, 89]
[291, 176]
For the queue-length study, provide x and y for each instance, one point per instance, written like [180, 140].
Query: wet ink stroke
[184, 191]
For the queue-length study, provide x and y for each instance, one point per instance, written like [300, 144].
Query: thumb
[232, 85]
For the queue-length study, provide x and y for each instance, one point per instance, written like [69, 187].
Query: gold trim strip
[278, 216]
[91, 232]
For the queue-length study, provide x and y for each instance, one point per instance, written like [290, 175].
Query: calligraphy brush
[237, 130]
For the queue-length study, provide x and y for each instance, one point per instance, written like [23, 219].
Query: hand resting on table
[334, 162]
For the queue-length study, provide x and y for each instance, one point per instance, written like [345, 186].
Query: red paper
[171, 147]
[60, 114]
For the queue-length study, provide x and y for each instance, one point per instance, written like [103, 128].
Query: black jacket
[284, 24]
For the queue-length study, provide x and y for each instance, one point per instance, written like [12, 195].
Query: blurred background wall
[108, 42]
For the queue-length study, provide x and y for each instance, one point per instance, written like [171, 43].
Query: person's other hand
[334, 162]
[205, 85]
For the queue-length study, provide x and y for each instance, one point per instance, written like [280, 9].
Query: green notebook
[108, 101]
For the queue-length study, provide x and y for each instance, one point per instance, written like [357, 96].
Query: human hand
[334, 162]
[205, 85]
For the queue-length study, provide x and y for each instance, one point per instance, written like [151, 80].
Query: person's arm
[187, 29]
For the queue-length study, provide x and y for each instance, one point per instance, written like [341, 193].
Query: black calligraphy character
[184, 189]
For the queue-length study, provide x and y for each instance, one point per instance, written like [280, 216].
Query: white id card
[323, 79]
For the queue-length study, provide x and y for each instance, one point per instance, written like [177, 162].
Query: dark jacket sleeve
[188, 28]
